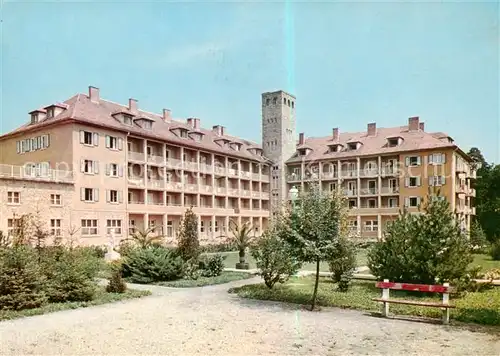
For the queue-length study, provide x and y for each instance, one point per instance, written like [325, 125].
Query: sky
[348, 63]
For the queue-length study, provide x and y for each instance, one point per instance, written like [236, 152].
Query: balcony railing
[36, 173]
[255, 176]
[220, 170]
[155, 202]
[191, 165]
[206, 168]
[368, 172]
[329, 175]
[155, 159]
[232, 172]
[349, 173]
[245, 174]
[265, 178]
[233, 191]
[389, 190]
[206, 188]
[174, 163]
[156, 183]
[220, 190]
[138, 182]
[174, 186]
[311, 176]
[351, 192]
[136, 201]
[368, 191]
[245, 192]
[294, 177]
[388, 171]
[173, 203]
[191, 187]
[255, 194]
[136, 156]
[264, 195]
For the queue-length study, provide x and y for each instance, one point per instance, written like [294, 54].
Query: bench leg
[446, 316]
[385, 295]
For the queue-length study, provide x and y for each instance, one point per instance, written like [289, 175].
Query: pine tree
[189, 244]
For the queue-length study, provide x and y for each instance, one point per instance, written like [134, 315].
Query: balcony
[174, 186]
[294, 177]
[368, 173]
[311, 176]
[136, 182]
[156, 183]
[351, 192]
[264, 178]
[136, 202]
[245, 174]
[174, 163]
[206, 189]
[136, 156]
[255, 176]
[155, 202]
[255, 194]
[349, 173]
[264, 195]
[471, 192]
[473, 210]
[245, 193]
[220, 170]
[220, 190]
[206, 168]
[329, 175]
[36, 173]
[368, 191]
[233, 191]
[389, 190]
[173, 203]
[461, 189]
[155, 159]
[190, 165]
[233, 172]
[388, 171]
[193, 188]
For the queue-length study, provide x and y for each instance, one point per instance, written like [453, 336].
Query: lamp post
[294, 193]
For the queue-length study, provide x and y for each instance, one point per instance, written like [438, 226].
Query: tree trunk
[313, 302]
[242, 255]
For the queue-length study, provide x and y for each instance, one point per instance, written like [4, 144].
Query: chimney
[167, 115]
[335, 134]
[372, 129]
[194, 123]
[421, 126]
[218, 130]
[132, 105]
[301, 138]
[413, 124]
[94, 94]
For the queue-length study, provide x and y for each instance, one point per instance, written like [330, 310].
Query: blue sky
[348, 63]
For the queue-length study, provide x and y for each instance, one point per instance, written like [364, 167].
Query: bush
[125, 247]
[70, 274]
[213, 266]
[21, 279]
[492, 274]
[344, 264]
[422, 248]
[116, 283]
[189, 245]
[478, 239]
[495, 251]
[153, 264]
[217, 248]
[274, 259]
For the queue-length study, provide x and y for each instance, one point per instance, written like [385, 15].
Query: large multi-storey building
[90, 166]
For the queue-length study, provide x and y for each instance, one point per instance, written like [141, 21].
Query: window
[275, 100]
[113, 196]
[127, 120]
[392, 142]
[89, 227]
[113, 170]
[89, 166]
[393, 202]
[352, 146]
[353, 225]
[33, 144]
[152, 225]
[293, 104]
[131, 226]
[333, 187]
[34, 118]
[413, 161]
[115, 226]
[412, 182]
[50, 113]
[14, 197]
[89, 194]
[114, 143]
[55, 199]
[202, 226]
[55, 227]
[372, 203]
[371, 225]
[183, 133]
[89, 138]
[437, 158]
[13, 226]
[435, 181]
[353, 203]
[268, 101]
[148, 125]
[412, 202]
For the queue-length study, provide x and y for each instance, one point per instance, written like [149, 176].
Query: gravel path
[209, 321]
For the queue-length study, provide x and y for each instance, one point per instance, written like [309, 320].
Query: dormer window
[392, 142]
[352, 146]
[303, 151]
[34, 118]
[147, 125]
[127, 119]
[335, 148]
[222, 142]
[183, 133]
[50, 113]
[236, 146]
[196, 136]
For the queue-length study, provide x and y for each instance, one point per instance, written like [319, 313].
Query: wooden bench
[445, 289]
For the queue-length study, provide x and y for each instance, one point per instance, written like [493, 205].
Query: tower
[278, 138]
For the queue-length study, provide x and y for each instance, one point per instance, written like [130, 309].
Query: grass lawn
[480, 307]
[485, 262]
[233, 257]
[101, 297]
[225, 277]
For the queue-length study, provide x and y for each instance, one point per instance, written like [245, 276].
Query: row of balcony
[372, 191]
[200, 205]
[195, 188]
[367, 173]
[464, 189]
[39, 172]
[175, 163]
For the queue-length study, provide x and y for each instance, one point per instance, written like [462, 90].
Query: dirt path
[209, 321]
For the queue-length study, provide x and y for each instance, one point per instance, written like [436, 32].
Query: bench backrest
[415, 287]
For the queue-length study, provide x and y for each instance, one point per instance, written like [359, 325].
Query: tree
[144, 238]
[316, 221]
[189, 244]
[423, 248]
[242, 239]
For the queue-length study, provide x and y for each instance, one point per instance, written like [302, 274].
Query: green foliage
[220, 247]
[478, 239]
[317, 221]
[225, 277]
[188, 242]
[241, 235]
[274, 257]
[145, 238]
[21, 279]
[343, 264]
[70, 274]
[213, 266]
[125, 247]
[116, 283]
[422, 248]
[495, 251]
[191, 269]
[153, 264]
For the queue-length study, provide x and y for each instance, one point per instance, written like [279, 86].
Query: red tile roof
[80, 108]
